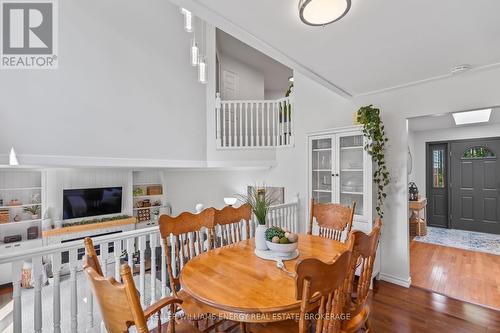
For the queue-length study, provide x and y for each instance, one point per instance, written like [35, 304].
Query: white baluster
[257, 124]
[142, 268]
[241, 124]
[153, 243]
[246, 125]
[282, 124]
[230, 115]
[273, 108]
[164, 269]
[56, 291]
[130, 253]
[104, 258]
[36, 270]
[217, 117]
[16, 296]
[268, 107]
[252, 143]
[74, 290]
[117, 250]
[223, 124]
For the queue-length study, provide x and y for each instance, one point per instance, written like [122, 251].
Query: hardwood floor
[413, 310]
[466, 275]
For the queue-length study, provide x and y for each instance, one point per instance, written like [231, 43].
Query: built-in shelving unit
[149, 199]
[20, 191]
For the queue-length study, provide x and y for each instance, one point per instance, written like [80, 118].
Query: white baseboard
[396, 280]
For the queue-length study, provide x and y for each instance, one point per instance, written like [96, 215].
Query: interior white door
[230, 85]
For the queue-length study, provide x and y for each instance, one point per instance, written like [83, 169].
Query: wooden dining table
[242, 287]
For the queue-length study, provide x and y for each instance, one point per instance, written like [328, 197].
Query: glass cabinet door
[321, 168]
[351, 173]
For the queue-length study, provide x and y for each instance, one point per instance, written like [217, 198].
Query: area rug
[467, 240]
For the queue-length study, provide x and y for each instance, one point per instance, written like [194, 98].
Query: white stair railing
[254, 123]
[72, 304]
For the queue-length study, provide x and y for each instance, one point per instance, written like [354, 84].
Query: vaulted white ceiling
[380, 44]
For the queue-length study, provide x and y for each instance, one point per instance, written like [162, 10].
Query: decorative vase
[260, 237]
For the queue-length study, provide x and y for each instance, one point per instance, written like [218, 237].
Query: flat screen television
[91, 202]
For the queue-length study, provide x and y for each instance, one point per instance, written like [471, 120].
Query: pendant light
[194, 53]
[188, 20]
[322, 12]
[202, 66]
[202, 71]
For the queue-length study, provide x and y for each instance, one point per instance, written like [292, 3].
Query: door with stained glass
[475, 185]
[437, 184]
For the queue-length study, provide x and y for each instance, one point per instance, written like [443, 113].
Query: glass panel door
[322, 169]
[351, 171]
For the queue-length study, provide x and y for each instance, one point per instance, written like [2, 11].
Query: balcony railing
[254, 123]
[66, 304]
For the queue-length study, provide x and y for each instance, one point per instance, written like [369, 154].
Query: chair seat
[357, 320]
[192, 308]
[286, 326]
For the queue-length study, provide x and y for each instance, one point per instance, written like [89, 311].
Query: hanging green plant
[374, 131]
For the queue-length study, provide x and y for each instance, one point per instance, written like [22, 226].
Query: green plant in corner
[374, 131]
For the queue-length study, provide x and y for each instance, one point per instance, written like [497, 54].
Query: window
[478, 152]
[438, 168]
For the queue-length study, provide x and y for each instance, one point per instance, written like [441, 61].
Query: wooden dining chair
[92, 258]
[120, 305]
[184, 236]
[230, 223]
[364, 252]
[333, 219]
[322, 288]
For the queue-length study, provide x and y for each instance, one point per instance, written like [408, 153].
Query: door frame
[428, 179]
[447, 167]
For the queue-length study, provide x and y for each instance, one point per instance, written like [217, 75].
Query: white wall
[187, 188]
[420, 138]
[274, 94]
[124, 87]
[250, 80]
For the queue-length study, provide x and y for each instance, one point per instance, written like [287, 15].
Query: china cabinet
[340, 171]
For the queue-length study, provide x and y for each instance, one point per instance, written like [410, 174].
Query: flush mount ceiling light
[322, 12]
[472, 117]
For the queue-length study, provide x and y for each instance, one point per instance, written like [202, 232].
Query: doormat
[466, 240]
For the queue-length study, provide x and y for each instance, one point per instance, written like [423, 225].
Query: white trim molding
[396, 280]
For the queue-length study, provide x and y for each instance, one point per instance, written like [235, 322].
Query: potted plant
[33, 210]
[260, 200]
